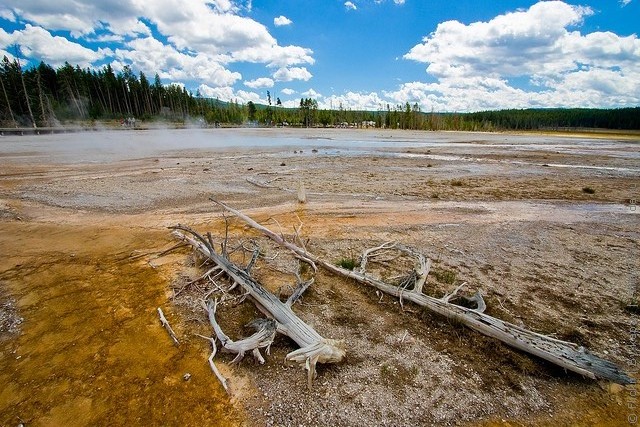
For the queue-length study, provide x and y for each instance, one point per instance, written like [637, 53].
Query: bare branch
[165, 323]
[212, 365]
[298, 291]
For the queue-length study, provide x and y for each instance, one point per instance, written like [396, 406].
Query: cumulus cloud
[540, 45]
[263, 82]
[354, 101]
[282, 21]
[223, 93]
[274, 56]
[77, 16]
[149, 55]
[205, 34]
[288, 91]
[227, 94]
[287, 74]
[350, 5]
[38, 43]
[312, 94]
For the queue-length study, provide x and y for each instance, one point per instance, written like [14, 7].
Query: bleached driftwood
[212, 365]
[313, 347]
[263, 338]
[167, 326]
[562, 353]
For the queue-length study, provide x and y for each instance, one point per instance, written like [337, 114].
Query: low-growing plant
[457, 183]
[445, 276]
[588, 190]
[347, 263]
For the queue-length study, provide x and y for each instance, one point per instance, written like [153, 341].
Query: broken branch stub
[564, 354]
[313, 347]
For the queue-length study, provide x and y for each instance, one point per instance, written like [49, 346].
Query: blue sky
[361, 54]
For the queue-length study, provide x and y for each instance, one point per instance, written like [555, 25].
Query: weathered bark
[562, 353]
[313, 347]
[263, 338]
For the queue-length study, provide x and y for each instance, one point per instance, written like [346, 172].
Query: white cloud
[396, 2]
[463, 94]
[517, 43]
[288, 91]
[623, 3]
[227, 94]
[262, 82]
[312, 94]
[350, 5]
[354, 101]
[223, 93]
[282, 21]
[38, 44]
[538, 45]
[132, 27]
[77, 16]
[150, 55]
[7, 14]
[274, 56]
[222, 5]
[292, 73]
[211, 30]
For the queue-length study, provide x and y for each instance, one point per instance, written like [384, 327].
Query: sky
[444, 55]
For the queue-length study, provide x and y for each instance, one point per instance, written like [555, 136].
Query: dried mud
[80, 279]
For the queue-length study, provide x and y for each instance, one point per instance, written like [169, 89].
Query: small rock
[186, 376]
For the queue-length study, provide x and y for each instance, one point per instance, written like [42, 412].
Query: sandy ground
[545, 226]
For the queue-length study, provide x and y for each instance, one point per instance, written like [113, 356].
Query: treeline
[539, 119]
[41, 96]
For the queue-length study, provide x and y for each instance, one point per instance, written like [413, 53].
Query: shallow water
[106, 146]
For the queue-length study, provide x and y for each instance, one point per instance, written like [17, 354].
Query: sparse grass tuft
[457, 183]
[588, 190]
[347, 263]
[447, 277]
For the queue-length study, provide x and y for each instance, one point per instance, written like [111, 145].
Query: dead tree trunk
[313, 347]
[562, 353]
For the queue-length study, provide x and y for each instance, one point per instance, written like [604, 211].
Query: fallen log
[565, 354]
[313, 347]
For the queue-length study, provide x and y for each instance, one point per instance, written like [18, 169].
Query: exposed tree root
[313, 347]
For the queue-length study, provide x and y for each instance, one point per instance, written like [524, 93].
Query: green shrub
[347, 263]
